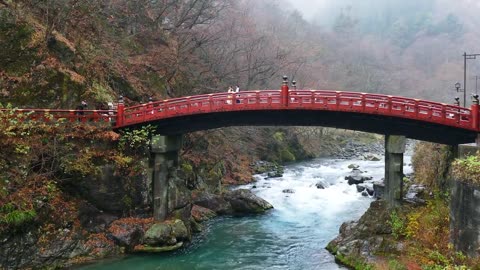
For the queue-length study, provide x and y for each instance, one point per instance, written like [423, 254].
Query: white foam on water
[307, 200]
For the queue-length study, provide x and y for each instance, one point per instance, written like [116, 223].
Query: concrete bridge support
[465, 211]
[394, 149]
[164, 155]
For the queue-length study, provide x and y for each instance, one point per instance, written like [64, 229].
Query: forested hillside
[56, 53]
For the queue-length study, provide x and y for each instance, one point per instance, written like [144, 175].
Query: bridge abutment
[394, 149]
[164, 155]
[465, 210]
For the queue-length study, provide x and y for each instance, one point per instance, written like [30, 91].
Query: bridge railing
[306, 100]
[48, 115]
[245, 100]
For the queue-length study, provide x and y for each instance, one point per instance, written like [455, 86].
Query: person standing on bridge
[229, 97]
[81, 107]
[237, 89]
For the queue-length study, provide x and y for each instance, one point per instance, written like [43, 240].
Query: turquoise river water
[292, 236]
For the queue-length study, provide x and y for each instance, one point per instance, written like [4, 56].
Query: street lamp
[457, 86]
[465, 57]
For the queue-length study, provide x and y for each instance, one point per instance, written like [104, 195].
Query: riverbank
[80, 193]
[292, 235]
[415, 235]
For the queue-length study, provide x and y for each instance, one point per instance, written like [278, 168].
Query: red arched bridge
[383, 114]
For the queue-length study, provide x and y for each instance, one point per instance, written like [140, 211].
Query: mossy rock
[18, 54]
[150, 249]
[48, 88]
[166, 233]
[158, 234]
[286, 155]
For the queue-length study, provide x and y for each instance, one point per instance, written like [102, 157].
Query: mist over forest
[410, 48]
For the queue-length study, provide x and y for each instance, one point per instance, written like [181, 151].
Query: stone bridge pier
[394, 149]
[164, 155]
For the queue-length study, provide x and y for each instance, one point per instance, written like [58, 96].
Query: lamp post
[465, 58]
[457, 86]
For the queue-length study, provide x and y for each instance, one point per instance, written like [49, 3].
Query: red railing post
[475, 111]
[284, 93]
[120, 112]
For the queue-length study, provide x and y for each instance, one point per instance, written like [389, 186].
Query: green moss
[48, 88]
[286, 155]
[353, 262]
[17, 54]
[100, 93]
[279, 136]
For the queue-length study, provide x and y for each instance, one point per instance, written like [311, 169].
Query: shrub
[467, 169]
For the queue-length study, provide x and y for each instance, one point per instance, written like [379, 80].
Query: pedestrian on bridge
[81, 107]
[237, 89]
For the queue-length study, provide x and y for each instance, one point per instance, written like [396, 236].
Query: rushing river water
[292, 236]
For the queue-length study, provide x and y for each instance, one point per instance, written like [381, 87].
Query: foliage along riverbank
[413, 236]
[72, 192]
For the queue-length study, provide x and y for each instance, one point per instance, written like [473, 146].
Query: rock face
[370, 235]
[107, 192]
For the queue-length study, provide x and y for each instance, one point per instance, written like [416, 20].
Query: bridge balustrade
[327, 100]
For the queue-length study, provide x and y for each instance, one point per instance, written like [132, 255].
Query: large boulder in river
[243, 201]
[214, 202]
[356, 177]
[166, 233]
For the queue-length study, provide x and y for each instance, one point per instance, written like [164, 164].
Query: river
[292, 236]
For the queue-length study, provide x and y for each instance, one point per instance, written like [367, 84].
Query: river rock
[320, 185]
[166, 233]
[358, 242]
[414, 194]
[214, 202]
[288, 190]
[353, 166]
[201, 214]
[262, 166]
[275, 174]
[126, 234]
[243, 201]
[371, 157]
[365, 188]
[378, 189]
[150, 249]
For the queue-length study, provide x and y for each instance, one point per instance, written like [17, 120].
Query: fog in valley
[402, 47]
